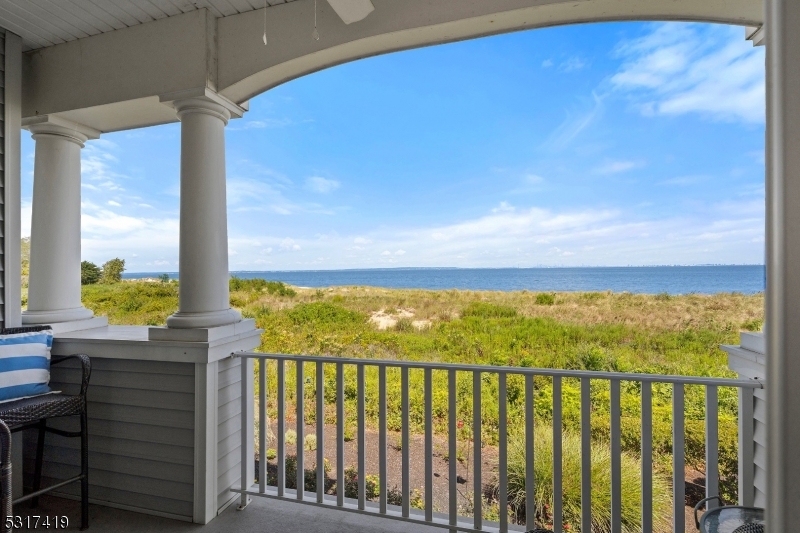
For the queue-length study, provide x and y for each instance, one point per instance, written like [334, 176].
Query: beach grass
[603, 331]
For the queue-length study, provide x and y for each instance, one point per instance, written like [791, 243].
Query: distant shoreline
[702, 279]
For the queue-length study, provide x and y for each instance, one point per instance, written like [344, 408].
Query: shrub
[112, 270]
[371, 485]
[290, 437]
[601, 483]
[164, 278]
[310, 443]
[404, 324]
[277, 288]
[486, 310]
[324, 314]
[90, 273]
[271, 454]
[545, 298]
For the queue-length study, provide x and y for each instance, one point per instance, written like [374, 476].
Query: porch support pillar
[782, 325]
[54, 285]
[204, 295]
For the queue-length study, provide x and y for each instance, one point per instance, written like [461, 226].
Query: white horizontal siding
[141, 434]
[229, 425]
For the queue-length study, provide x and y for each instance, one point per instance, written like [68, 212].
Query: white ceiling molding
[352, 10]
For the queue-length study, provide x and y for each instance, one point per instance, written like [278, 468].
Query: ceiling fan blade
[352, 10]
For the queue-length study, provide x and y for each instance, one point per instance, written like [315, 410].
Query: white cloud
[113, 203]
[615, 167]
[572, 64]
[290, 245]
[547, 63]
[684, 180]
[361, 240]
[574, 124]
[726, 232]
[260, 124]
[321, 185]
[533, 179]
[690, 68]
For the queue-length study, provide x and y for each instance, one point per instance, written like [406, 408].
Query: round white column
[204, 299]
[54, 285]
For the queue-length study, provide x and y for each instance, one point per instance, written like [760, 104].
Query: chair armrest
[86, 363]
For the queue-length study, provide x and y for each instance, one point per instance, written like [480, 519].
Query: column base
[210, 319]
[208, 334]
[72, 325]
[56, 315]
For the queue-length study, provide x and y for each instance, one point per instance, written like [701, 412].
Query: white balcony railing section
[452, 519]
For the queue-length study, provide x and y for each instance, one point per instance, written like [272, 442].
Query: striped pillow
[25, 364]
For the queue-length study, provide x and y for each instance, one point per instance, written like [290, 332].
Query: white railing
[452, 519]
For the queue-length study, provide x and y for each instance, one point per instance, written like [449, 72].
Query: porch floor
[260, 516]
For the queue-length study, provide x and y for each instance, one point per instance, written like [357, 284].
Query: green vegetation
[631, 471]
[90, 273]
[112, 270]
[603, 331]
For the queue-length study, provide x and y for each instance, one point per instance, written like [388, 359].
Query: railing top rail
[550, 372]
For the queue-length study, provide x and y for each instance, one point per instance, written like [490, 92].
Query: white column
[782, 324]
[54, 285]
[204, 295]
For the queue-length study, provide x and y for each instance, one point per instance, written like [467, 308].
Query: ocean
[747, 279]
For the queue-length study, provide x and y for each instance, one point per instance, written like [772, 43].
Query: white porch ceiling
[43, 23]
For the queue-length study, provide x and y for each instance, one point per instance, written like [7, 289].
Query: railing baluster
[530, 495]
[301, 426]
[678, 460]
[320, 432]
[586, 455]
[428, 445]
[503, 450]
[281, 444]
[712, 445]
[452, 451]
[263, 425]
[477, 483]
[340, 421]
[362, 439]
[558, 465]
[647, 456]
[383, 470]
[405, 442]
[616, 459]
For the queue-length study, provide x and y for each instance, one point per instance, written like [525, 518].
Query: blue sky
[605, 144]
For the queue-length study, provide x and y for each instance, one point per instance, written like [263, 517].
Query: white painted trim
[203, 93]
[59, 125]
[205, 442]
[12, 291]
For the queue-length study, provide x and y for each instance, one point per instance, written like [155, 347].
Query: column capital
[203, 100]
[55, 125]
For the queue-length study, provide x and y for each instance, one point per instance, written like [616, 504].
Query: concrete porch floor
[260, 516]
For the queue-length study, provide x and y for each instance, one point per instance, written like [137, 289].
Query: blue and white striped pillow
[25, 364]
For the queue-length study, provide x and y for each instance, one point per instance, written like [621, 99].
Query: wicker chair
[32, 413]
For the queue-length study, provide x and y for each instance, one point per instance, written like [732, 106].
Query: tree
[164, 278]
[112, 270]
[90, 273]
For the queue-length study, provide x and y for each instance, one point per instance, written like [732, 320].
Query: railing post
[247, 427]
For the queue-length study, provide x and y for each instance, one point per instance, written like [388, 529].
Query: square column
[782, 333]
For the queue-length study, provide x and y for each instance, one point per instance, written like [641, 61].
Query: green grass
[603, 331]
